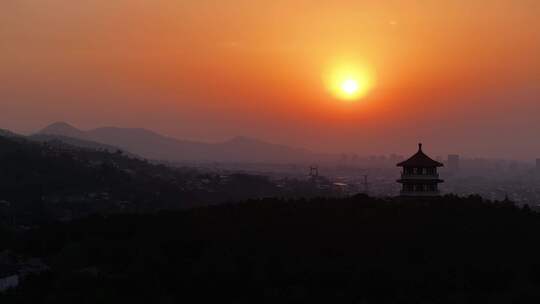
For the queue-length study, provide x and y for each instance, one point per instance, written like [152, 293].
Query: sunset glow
[211, 70]
[350, 83]
[244, 151]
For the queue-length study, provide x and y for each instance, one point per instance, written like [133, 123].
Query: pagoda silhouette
[419, 176]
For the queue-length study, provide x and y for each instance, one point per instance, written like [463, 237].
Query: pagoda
[419, 176]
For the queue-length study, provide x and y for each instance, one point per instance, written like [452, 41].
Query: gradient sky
[461, 76]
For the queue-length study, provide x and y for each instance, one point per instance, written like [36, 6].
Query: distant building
[313, 172]
[538, 165]
[453, 162]
[419, 176]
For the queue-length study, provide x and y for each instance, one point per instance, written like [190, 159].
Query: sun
[350, 86]
[349, 82]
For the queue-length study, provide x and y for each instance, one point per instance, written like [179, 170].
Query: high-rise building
[538, 165]
[453, 162]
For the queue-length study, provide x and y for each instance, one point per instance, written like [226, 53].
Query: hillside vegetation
[355, 250]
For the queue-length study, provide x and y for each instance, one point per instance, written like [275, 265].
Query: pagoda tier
[419, 177]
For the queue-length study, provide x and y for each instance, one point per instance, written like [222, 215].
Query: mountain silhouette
[76, 142]
[152, 145]
[9, 134]
[64, 129]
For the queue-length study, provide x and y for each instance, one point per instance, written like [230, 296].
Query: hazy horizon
[461, 77]
[411, 149]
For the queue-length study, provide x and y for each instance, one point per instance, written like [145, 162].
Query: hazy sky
[462, 76]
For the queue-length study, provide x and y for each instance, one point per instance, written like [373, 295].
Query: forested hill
[356, 250]
[54, 174]
[54, 180]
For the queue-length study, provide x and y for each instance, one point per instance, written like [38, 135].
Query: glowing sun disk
[350, 86]
[349, 83]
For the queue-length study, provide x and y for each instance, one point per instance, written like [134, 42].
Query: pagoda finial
[419, 146]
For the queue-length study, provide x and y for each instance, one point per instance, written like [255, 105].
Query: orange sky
[462, 76]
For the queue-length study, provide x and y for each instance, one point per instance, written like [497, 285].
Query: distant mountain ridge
[9, 134]
[152, 145]
[76, 142]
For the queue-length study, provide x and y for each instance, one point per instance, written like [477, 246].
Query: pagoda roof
[420, 160]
